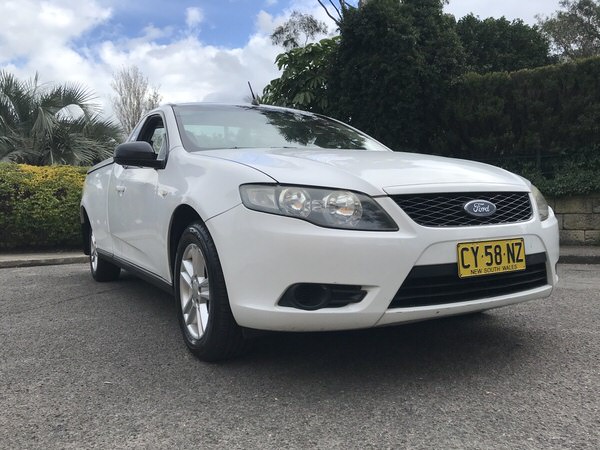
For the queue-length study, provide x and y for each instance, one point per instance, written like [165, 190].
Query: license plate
[490, 257]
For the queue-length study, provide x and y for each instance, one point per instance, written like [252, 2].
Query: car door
[133, 192]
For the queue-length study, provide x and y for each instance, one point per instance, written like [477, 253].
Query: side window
[154, 133]
[157, 140]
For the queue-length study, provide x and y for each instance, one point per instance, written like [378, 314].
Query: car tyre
[101, 269]
[207, 323]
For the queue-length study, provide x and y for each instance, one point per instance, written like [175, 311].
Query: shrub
[541, 123]
[579, 174]
[39, 206]
[538, 113]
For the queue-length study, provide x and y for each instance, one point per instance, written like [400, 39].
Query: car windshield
[210, 127]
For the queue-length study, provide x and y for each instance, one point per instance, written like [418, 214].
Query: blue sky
[202, 50]
[226, 23]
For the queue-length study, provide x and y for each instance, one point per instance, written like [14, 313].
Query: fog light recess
[313, 296]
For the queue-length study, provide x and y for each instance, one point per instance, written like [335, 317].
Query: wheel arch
[85, 230]
[181, 218]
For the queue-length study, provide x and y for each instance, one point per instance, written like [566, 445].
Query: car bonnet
[372, 172]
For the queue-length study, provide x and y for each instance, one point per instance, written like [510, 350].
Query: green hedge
[543, 123]
[579, 173]
[547, 111]
[39, 206]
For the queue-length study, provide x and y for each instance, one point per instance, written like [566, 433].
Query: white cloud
[150, 32]
[193, 17]
[188, 70]
[40, 39]
[270, 3]
[266, 23]
[30, 26]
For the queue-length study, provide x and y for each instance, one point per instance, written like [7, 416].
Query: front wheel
[208, 327]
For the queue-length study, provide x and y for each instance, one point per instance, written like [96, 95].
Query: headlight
[295, 202]
[343, 207]
[542, 204]
[324, 207]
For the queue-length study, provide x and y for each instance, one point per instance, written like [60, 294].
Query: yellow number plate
[490, 257]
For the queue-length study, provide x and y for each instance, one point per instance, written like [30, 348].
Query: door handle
[120, 189]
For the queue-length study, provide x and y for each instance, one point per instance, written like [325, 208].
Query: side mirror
[138, 153]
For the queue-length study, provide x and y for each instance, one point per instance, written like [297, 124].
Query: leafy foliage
[303, 81]
[575, 30]
[577, 173]
[52, 124]
[290, 33]
[39, 206]
[498, 45]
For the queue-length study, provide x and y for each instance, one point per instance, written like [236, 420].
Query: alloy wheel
[194, 291]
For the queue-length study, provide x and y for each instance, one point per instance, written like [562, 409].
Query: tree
[498, 45]
[45, 124]
[290, 33]
[574, 31]
[134, 97]
[303, 81]
[442, 60]
[393, 70]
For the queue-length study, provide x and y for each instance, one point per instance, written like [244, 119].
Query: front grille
[446, 210]
[440, 284]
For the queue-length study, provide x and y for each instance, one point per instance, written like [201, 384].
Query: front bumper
[263, 254]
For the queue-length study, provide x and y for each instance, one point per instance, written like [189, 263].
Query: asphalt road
[84, 364]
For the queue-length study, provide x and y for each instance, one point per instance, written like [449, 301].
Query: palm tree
[45, 124]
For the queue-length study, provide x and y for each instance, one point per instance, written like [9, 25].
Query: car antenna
[254, 99]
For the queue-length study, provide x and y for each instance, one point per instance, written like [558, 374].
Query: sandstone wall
[578, 219]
